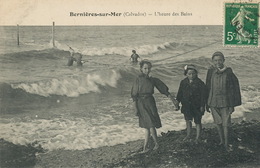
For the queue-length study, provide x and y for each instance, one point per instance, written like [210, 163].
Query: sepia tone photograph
[125, 84]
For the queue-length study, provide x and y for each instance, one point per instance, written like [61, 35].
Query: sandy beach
[173, 152]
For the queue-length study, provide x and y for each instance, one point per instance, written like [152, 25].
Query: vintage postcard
[119, 83]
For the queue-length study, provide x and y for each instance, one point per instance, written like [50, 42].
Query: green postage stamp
[241, 24]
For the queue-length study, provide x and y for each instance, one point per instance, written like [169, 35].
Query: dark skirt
[148, 114]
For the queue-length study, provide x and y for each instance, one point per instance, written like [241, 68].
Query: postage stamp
[241, 24]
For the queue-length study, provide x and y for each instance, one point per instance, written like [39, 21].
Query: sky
[154, 12]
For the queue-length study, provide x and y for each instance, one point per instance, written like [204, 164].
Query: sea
[45, 102]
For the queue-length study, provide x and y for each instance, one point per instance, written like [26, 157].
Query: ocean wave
[79, 133]
[110, 125]
[250, 98]
[45, 54]
[61, 50]
[127, 50]
[142, 50]
[72, 134]
[71, 86]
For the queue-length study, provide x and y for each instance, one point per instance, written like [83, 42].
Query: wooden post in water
[53, 32]
[18, 43]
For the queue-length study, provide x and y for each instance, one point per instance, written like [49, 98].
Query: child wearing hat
[192, 96]
[223, 95]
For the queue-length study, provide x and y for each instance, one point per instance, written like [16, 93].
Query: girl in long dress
[144, 102]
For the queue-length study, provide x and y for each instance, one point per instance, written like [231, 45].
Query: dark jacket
[192, 96]
[232, 84]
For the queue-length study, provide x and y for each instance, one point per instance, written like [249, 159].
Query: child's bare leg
[198, 131]
[188, 126]
[225, 128]
[154, 135]
[146, 140]
[220, 133]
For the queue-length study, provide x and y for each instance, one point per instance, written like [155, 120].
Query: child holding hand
[144, 102]
[192, 96]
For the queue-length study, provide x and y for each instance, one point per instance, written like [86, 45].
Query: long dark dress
[142, 92]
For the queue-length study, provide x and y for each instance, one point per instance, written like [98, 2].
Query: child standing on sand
[144, 103]
[223, 95]
[192, 96]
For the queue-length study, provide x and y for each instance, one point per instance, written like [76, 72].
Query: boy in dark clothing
[192, 95]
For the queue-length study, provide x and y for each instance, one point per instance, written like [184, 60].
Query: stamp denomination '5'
[241, 24]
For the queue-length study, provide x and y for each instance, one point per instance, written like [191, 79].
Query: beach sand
[173, 152]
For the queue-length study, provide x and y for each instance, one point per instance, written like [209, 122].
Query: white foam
[71, 86]
[64, 47]
[68, 134]
[84, 133]
[78, 133]
[250, 99]
[127, 50]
